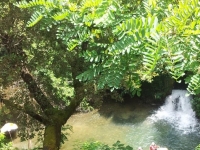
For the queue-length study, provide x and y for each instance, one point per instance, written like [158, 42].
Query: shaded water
[137, 124]
[114, 122]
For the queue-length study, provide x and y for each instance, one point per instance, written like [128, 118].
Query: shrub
[4, 144]
[95, 145]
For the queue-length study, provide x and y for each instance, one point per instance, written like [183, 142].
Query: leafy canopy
[126, 45]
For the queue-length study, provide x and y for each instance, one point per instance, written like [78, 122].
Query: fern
[33, 3]
[47, 7]
[35, 18]
[194, 84]
[176, 64]
[173, 54]
[131, 31]
[61, 15]
[90, 73]
[111, 78]
[90, 3]
[151, 57]
[138, 26]
[180, 20]
[104, 14]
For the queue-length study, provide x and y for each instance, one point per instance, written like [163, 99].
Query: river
[172, 125]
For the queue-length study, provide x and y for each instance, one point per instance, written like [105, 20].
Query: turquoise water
[132, 124]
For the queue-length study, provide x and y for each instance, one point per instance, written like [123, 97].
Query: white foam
[178, 111]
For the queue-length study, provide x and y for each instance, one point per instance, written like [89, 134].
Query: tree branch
[77, 67]
[37, 93]
[39, 118]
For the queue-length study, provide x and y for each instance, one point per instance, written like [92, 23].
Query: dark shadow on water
[128, 112]
[121, 120]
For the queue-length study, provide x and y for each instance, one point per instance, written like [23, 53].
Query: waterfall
[177, 111]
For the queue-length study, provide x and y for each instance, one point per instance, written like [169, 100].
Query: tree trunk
[52, 137]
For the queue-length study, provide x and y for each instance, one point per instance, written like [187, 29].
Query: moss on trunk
[52, 137]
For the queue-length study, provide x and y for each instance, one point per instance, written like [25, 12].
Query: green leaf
[35, 18]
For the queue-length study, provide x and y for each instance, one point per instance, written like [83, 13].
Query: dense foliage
[127, 44]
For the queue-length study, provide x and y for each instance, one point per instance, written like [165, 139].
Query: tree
[49, 78]
[127, 46]
[115, 44]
